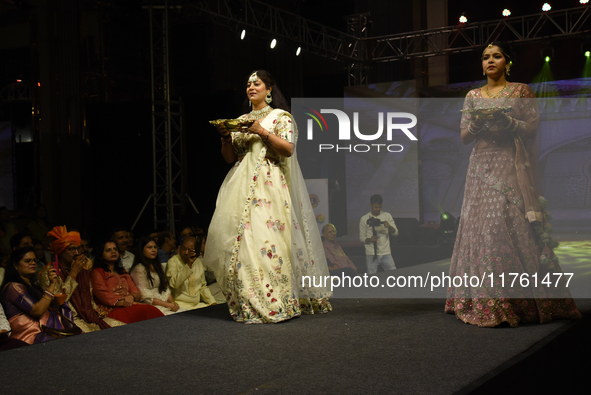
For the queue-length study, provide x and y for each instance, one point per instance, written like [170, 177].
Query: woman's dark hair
[140, 259]
[505, 50]
[278, 101]
[99, 260]
[13, 276]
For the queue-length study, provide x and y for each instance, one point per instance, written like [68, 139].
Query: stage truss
[353, 48]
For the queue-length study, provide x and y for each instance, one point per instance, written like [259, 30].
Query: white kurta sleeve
[140, 278]
[4, 324]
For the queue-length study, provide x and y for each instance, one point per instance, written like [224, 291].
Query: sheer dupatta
[224, 243]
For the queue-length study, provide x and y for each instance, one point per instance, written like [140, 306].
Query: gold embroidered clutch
[233, 125]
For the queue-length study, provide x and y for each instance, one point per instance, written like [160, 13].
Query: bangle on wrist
[471, 130]
[265, 138]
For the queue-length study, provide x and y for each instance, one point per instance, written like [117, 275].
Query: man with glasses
[74, 280]
[71, 262]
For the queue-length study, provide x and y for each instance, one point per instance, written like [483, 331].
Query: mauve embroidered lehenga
[259, 243]
[495, 235]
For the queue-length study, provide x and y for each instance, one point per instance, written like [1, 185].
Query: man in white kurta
[186, 277]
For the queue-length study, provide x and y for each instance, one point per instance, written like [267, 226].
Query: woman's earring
[249, 103]
[268, 98]
[508, 68]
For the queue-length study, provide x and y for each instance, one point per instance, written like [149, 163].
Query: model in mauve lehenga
[501, 225]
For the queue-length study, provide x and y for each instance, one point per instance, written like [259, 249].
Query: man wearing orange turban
[66, 248]
[63, 239]
[72, 279]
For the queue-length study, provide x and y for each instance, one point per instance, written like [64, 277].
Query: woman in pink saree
[501, 230]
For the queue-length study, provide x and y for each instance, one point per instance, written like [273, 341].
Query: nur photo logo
[389, 122]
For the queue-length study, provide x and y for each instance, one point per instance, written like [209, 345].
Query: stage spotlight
[19, 80]
[243, 34]
[547, 53]
[447, 228]
[506, 12]
[463, 19]
[447, 222]
[273, 43]
[583, 1]
[586, 50]
[546, 7]
[298, 51]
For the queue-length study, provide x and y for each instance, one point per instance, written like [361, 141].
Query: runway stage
[366, 345]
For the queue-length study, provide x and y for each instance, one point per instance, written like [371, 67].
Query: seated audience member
[188, 228]
[3, 262]
[47, 240]
[74, 279]
[66, 247]
[186, 277]
[7, 342]
[198, 232]
[166, 245]
[122, 238]
[84, 247]
[130, 241]
[38, 227]
[20, 240]
[39, 252]
[115, 293]
[152, 233]
[338, 261]
[24, 239]
[148, 275]
[26, 305]
[191, 230]
[7, 230]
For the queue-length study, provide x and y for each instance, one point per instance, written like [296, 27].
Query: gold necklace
[258, 114]
[496, 95]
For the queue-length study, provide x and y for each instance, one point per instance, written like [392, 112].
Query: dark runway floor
[376, 340]
[403, 346]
